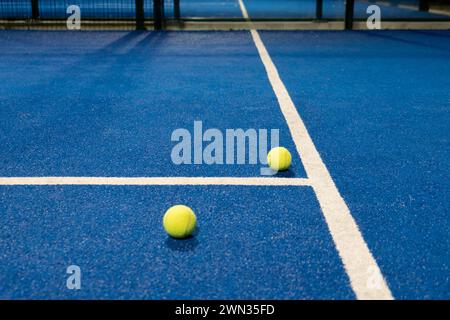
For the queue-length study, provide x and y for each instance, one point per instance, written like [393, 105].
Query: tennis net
[106, 10]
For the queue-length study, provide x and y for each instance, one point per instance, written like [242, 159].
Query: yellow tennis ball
[179, 221]
[279, 159]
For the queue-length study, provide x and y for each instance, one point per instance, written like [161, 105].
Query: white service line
[153, 181]
[365, 276]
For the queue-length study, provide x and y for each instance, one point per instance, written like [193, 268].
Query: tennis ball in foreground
[279, 159]
[179, 221]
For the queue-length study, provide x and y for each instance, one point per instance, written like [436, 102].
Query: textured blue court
[105, 104]
[86, 156]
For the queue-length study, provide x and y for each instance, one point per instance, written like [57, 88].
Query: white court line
[382, 3]
[408, 7]
[360, 265]
[437, 11]
[153, 181]
[244, 10]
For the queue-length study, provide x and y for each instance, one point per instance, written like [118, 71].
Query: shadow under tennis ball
[286, 174]
[183, 245]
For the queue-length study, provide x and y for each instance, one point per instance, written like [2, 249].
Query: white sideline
[361, 267]
[153, 181]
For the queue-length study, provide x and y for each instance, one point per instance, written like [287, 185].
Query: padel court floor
[86, 175]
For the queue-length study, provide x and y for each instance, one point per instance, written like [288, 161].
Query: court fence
[216, 14]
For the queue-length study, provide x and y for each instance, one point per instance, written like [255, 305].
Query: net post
[140, 17]
[35, 9]
[158, 14]
[319, 9]
[349, 12]
[424, 5]
[176, 9]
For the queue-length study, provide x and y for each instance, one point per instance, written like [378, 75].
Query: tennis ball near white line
[179, 221]
[279, 159]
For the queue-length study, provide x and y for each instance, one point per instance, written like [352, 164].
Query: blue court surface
[368, 218]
